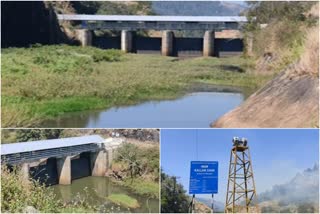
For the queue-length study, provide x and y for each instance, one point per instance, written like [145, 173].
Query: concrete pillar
[126, 41]
[85, 37]
[249, 45]
[99, 163]
[110, 157]
[167, 43]
[208, 43]
[25, 171]
[64, 170]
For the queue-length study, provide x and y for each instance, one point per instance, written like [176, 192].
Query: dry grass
[314, 11]
[277, 46]
[309, 60]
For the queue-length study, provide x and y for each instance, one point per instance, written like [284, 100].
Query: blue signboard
[203, 177]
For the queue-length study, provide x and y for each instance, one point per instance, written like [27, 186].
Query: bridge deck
[132, 22]
[134, 18]
[22, 147]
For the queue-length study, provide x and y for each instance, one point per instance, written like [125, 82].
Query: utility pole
[241, 190]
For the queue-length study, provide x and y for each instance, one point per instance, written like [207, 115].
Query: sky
[277, 154]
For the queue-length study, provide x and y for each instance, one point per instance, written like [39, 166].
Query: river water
[196, 109]
[95, 191]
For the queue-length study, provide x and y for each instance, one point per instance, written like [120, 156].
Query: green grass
[43, 82]
[143, 187]
[124, 200]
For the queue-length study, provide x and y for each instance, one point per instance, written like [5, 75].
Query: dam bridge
[168, 44]
[57, 159]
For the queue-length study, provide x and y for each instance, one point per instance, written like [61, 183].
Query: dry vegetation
[291, 99]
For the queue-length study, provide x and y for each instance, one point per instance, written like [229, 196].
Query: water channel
[95, 190]
[194, 109]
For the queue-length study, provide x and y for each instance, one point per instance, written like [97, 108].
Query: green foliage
[139, 161]
[283, 37]
[140, 168]
[24, 135]
[32, 92]
[56, 59]
[129, 155]
[107, 56]
[17, 194]
[124, 200]
[268, 11]
[173, 196]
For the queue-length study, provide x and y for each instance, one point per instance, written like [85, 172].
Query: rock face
[286, 101]
[291, 99]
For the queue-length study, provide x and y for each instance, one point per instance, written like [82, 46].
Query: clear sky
[277, 154]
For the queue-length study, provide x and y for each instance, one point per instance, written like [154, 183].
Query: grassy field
[46, 81]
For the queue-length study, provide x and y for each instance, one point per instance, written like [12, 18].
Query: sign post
[203, 179]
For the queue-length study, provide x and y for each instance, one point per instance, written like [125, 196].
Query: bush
[107, 56]
[139, 161]
[17, 194]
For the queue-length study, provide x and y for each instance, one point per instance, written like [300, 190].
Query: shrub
[107, 56]
[17, 194]
[139, 161]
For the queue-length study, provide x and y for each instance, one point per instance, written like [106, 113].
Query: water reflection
[96, 190]
[196, 109]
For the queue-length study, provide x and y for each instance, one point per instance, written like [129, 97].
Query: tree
[268, 11]
[173, 196]
[24, 135]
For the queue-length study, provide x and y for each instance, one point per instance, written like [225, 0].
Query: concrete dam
[59, 161]
[167, 44]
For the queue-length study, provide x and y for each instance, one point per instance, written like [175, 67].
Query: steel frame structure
[241, 190]
[132, 26]
[36, 155]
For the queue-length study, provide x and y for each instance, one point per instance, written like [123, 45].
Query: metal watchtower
[241, 190]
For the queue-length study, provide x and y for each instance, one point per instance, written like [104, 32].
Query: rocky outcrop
[291, 99]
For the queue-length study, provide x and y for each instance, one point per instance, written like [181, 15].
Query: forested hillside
[194, 8]
[300, 194]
